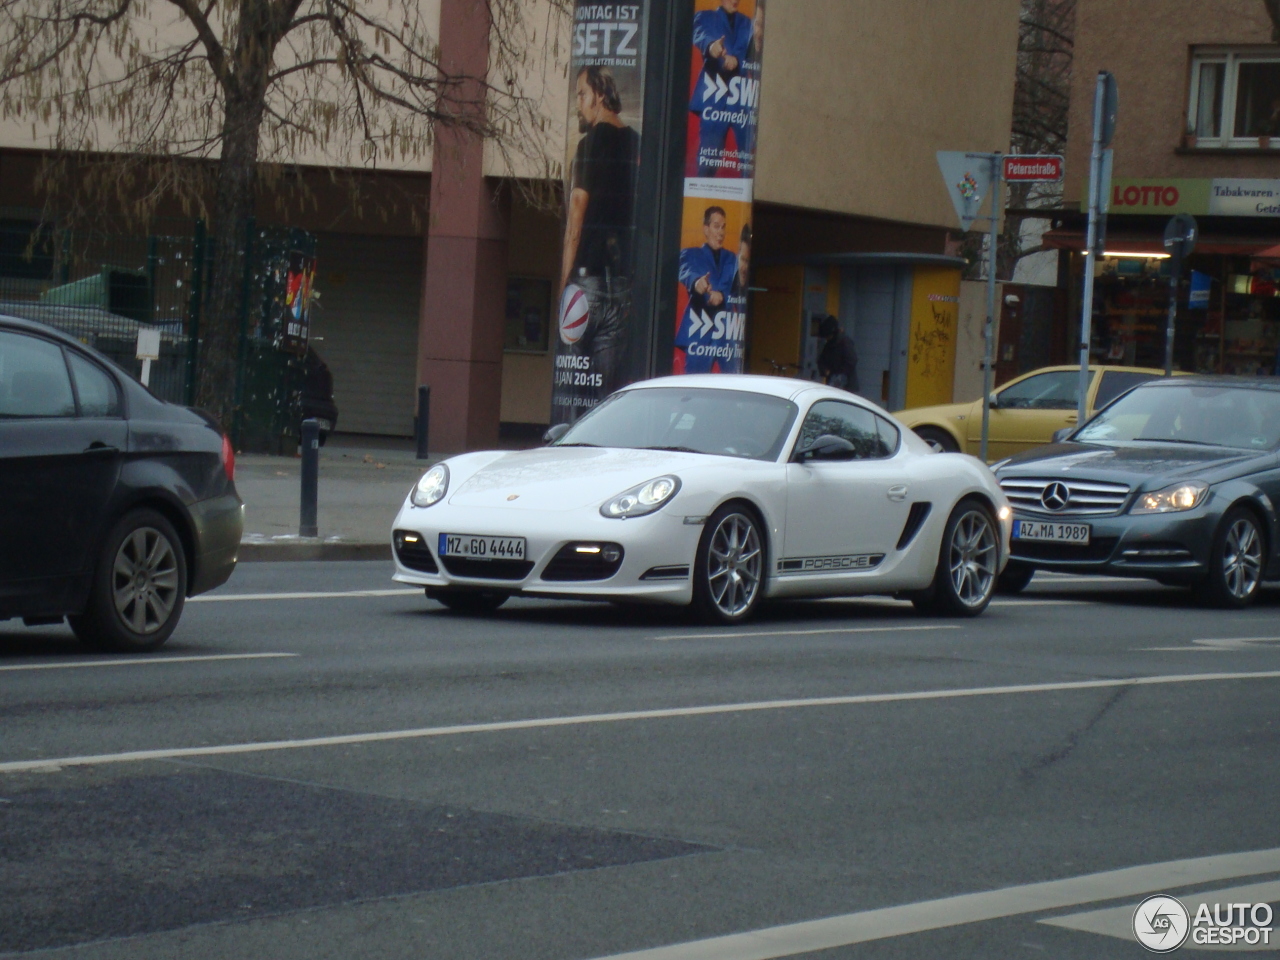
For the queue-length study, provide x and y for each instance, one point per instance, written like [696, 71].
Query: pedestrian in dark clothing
[838, 362]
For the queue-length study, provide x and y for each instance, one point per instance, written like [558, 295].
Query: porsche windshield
[729, 423]
[1208, 415]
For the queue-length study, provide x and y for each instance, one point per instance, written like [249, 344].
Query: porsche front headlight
[432, 487]
[1175, 499]
[642, 499]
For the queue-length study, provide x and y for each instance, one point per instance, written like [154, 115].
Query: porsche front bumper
[656, 566]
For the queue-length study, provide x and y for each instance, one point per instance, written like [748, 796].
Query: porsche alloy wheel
[973, 555]
[970, 556]
[730, 566]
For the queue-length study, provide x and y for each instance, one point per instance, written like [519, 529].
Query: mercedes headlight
[1175, 499]
[432, 487]
[640, 500]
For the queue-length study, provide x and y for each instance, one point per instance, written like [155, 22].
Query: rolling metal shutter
[370, 290]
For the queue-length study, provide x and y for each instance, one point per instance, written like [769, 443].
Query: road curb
[253, 551]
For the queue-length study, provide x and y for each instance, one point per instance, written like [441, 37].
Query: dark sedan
[1177, 481]
[114, 506]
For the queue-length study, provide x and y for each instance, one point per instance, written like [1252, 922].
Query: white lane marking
[1212, 644]
[331, 595]
[15, 766]
[137, 661]
[348, 594]
[830, 932]
[1118, 921]
[1039, 603]
[878, 601]
[802, 633]
[1087, 578]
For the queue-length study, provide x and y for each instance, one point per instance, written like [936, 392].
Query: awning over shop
[1065, 238]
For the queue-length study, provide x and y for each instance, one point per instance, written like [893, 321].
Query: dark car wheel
[1016, 577]
[1236, 561]
[139, 586]
[966, 575]
[728, 580]
[940, 440]
[469, 601]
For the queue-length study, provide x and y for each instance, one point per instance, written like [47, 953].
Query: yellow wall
[773, 332]
[931, 347]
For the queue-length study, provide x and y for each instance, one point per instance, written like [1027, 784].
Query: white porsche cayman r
[716, 491]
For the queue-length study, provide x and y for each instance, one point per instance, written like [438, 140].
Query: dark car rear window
[1116, 382]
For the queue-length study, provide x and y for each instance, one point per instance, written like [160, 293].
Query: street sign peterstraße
[1033, 168]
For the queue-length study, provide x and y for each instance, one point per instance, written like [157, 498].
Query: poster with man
[724, 99]
[595, 302]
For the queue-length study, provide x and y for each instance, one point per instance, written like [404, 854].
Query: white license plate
[1057, 532]
[481, 548]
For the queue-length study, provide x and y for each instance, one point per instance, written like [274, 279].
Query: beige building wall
[971, 343]
[857, 96]
[160, 30]
[1147, 44]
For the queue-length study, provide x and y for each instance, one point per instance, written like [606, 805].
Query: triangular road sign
[968, 179]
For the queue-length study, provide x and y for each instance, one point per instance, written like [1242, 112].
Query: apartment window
[1235, 99]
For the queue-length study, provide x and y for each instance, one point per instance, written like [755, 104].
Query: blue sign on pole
[1200, 284]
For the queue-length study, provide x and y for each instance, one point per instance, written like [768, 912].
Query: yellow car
[1025, 412]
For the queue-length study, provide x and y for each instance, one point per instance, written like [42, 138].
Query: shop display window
[1234, 329]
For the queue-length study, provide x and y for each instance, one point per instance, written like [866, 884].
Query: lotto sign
[1033, 168]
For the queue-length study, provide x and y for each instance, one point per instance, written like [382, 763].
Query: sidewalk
[363, 482]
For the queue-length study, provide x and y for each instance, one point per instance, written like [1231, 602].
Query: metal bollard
[422, 421]
[310, 477]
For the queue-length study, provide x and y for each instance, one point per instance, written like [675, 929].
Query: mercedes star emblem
[1055, 496]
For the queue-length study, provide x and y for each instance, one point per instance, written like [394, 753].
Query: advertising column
[720, 150]
[607, 75]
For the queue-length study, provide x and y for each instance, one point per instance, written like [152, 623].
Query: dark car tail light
[228, 458]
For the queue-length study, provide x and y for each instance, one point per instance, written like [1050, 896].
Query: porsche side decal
[857, 561]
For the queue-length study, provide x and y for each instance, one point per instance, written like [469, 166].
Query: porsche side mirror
[827, 447]
[555, 433]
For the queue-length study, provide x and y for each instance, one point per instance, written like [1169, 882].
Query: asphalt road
[348, 770]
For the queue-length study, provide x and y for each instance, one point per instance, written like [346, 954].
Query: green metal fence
[101, 288]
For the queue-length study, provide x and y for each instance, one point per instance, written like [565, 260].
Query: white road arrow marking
[830, 932]
[1118, 921]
